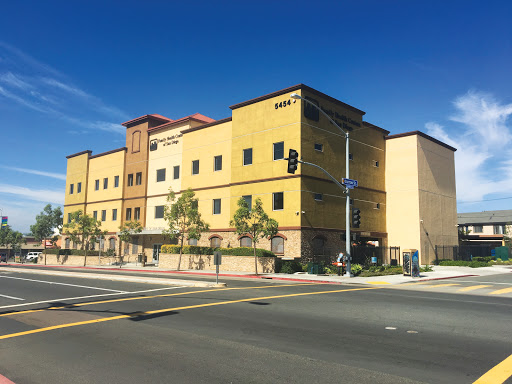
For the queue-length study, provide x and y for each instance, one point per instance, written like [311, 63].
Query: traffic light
[293, 159]
[356, 217]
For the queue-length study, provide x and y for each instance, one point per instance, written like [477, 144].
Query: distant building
[406, 190]
[484, 228]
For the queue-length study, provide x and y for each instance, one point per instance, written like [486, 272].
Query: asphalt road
[100, 331]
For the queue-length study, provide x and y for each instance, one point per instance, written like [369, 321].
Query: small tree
[47, 222]
[84, 229]
[11, 239]
[254, 222]
[183, 219]
[128, 230]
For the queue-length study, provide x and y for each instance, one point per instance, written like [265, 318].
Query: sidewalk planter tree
[254, 222]
[47, 223]
[183, 218]
[84, 229]
[128, 231]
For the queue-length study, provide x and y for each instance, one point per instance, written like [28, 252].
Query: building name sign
[169, 140]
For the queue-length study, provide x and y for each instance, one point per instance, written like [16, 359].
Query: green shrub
[461, 263]
[426, 268]
[356, 269]
[289, 266]
[196, 250]
[63, 252]
[485, 259]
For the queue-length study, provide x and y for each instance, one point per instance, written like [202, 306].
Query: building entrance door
[156, 252]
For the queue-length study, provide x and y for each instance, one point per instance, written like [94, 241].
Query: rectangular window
[279, 150]
[130, 179]
[97, 185]
[95, 215]
[498, 230]
[195, 167]
[216, 206]
[319, 197]
[176, 172]
[160, 175]
[277, 203]
[114, 214]
[350, 156]
[377, 206]
[105, 183]
[116, 181]
[478, 228]
[159, 212]
[138, 178]
[248, 200]
[71, 186]
[136, 213]
[217, 163]
[128, 213]
[78, 187]
[247, 156]
[319, 147]
[375, 163]
[103, 215]
[69, 217]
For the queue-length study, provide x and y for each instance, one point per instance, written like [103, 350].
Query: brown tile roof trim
[141, 119]
[294, 88]
[109, 152]
[79, 153]
[370, 125]
[207, 125]
[195, 117]
[424, 135]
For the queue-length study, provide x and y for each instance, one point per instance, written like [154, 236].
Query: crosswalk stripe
[501, 291]
[472, 288]
[440, 285]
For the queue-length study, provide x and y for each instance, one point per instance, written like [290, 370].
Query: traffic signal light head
[356, 217]
[293, 159]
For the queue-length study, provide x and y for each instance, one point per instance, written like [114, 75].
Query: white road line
[12, 297]
[86, 297]
[70, 285]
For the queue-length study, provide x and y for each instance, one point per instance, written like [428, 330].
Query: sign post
[217, 260]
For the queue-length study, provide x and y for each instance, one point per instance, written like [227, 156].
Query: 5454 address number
[283, 104]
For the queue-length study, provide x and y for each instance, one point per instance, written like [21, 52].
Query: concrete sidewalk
[172, 277]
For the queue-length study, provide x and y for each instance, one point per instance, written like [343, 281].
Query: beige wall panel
[151, 204]
[109, 224]
[76, 172]
[108, 167]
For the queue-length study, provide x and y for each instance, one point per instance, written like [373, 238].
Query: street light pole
[296, 96]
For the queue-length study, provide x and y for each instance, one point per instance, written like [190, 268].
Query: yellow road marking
[441, 285]
[146, 297]
[68, 325]
[498, 374]
[472, 288]
[378, 282]
[501, 291]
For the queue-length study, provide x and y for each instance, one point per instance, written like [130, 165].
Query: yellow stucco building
[406, 183]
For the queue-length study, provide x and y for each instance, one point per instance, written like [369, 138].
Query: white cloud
[43, 195]
[59, 176]
[482, 165]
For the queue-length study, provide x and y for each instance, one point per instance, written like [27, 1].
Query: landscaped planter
[205, 263]
[79, 259]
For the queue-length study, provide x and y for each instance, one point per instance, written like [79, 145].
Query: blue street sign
[349, 183]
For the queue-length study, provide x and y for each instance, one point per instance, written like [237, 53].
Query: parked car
[31, 256]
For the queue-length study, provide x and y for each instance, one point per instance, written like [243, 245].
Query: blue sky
[71, 72]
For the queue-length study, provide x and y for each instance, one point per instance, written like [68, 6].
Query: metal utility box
[410, 263]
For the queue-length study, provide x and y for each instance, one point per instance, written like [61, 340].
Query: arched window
[74, 245]
[136, 141]
[112, 243]
[192, 241]
[67, 242]
[215, 241]
[277, 245]
[245, 241]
